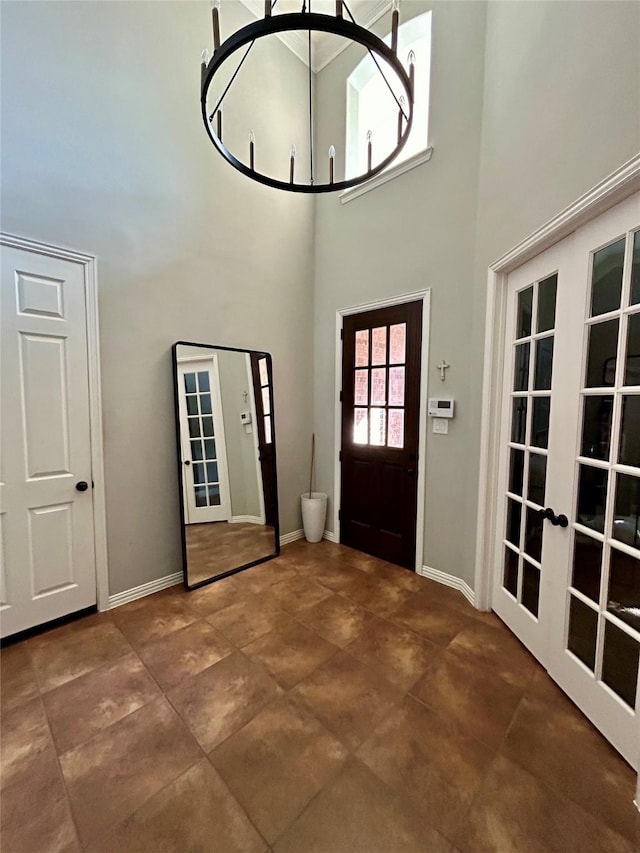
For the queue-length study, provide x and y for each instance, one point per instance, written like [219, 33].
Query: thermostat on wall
[440, 407]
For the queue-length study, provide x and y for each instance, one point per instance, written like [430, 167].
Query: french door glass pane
[190, 383]
[583, 632]
[361, 391]
[521, 369]
[525, 305]
[214, 495]
[601, 354]
[544, 364]
[514, 514]
[203, 380]
[632, 364]
[620, 663]
[207, 426]
[510, 575]
[379, 345]
[547, 303]
[530, 587]
[626, 522]
[212, 472]
[635, 271]
[587, 566]
[378, 386]
[362, 348]
[192, 405]
[596, 427]
[533, 534]
[196, 450]
[540, 425]
[397, 343]
[194, 427]
[519, 420]
[592, 497]
[210, 449]
[629, 452]
[516, 471]
[606, 280]
[624, 588]
[201, 495]
[198, 473]
[537, 478]
[205, 404]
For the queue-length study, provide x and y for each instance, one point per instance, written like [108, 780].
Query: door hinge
[341, 334]
[339, 456]
[341, 396]
[339, 515]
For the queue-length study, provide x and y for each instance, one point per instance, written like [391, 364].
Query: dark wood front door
[262, 391]
[380, 405]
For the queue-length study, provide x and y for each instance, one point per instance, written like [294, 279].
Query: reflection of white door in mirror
[204, 457]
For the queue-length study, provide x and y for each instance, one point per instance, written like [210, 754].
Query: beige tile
[184, 653]
[113, 774]
[298, 592]
[75, 649]
[478, 701]
[337, 619]
[85, 706]
[357, 813]
[34, 812]
[277, 763]
[437, 622]
[348, 697]
[24, 736]
[558, 745]
[193, 813]
[513, 812]
[154, 617]
[290, 652]
[18, 682]
[437, 768]
[223, 698]
[248, 619]
[400, 654]
[498, 648]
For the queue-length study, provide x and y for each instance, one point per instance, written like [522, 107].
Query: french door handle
[557, 520]
[187, 462]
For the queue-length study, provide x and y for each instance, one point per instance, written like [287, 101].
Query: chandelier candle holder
[238, 46]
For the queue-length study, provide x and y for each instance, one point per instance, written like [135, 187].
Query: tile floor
[324, 702]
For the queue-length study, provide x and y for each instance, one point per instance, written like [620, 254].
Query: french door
[204, 455]
[568, 579]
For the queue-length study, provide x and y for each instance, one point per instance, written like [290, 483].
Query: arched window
[371, 107]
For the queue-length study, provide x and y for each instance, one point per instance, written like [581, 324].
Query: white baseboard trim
[291, 537]
[331, 536]
[449, 580]
[246, 519]
[144, 589]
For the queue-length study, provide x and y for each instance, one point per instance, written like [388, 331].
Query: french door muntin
[594, 617]
[204, 457]
[529, 447]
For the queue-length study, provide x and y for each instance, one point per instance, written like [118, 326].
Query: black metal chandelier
[384, 57]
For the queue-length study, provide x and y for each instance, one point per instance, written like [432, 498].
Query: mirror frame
[174, 365]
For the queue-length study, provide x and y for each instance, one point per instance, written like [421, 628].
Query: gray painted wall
[103, 150]
[521, 126]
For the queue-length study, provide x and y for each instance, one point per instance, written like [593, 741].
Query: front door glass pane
[360, 426]
[362, 348]
[397, 343]
[396, 386]
[396, 428]
[379, 345]
[606, 286]
[361, 390]
[377, 424]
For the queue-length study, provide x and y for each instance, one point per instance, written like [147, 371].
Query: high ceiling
[324, 47]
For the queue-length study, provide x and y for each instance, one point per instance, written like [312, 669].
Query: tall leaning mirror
[226, 458]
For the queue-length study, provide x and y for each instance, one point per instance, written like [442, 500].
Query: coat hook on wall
[442, 367]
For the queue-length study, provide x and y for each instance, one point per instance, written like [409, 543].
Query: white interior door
[204, 456]
[568, 540]
[48, 554]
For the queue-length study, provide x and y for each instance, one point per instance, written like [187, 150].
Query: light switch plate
[441, 426]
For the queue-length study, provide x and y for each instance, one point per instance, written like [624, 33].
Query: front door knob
[82, 486]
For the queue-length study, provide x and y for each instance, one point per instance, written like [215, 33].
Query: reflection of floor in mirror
[218, 547]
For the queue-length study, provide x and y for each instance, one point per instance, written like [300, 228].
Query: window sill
[388, 175]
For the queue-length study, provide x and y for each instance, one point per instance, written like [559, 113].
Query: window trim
[388, 175]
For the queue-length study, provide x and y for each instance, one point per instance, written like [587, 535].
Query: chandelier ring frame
[313, 22]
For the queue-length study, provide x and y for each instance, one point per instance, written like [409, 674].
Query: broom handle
[313, 450]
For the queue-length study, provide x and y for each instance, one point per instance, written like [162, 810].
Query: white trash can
[314, 511]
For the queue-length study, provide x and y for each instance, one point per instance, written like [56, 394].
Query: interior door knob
[82, 486]
[187, 462]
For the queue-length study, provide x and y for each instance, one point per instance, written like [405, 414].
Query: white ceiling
[324, 47]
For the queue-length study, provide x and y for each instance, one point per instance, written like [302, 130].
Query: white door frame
[425, 297]
[89, 264]
[609, 192]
